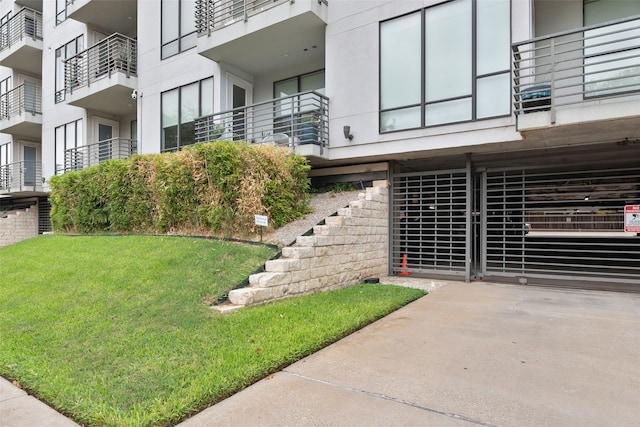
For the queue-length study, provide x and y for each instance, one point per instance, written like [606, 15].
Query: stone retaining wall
[18, 226]
[347, 249]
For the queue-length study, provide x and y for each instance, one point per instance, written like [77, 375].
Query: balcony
[21, 177]
[21, 111]
[114, 16]
[21, 42]
[102, 77]
[299, 122]
[90, 155]
[279, 34]
[584, 82]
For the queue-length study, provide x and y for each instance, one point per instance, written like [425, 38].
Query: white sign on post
[262, 220]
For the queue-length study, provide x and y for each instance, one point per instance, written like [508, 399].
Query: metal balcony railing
[90, 155]
[26, 98]
[577, 67]
[21, 176]
[115, 54]
[294, 120]
[212, 15]
[27, 23]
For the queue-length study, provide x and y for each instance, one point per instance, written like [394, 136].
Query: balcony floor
[24, 56]
[262, 35]
[110, 95]
[26, 124]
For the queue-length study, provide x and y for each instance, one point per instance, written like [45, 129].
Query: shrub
[214, 188]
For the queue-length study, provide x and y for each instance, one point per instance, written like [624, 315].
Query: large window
[68, 136]
[4, 170]
[61, 11]
[445, 64]
[292, 109]
[611, 63]
[180, 109]
[5, 87]
[178, 26]
[4, 154]
[62, 53]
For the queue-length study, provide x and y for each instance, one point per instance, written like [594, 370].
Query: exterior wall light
[347, 132]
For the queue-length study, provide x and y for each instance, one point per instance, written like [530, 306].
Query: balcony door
[30, 159]
[30, 97]
[107, 134]
[239, 95]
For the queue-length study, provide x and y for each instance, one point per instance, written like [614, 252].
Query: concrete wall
[349, 248]
[352, 84]
[157, 75]
[18, 226]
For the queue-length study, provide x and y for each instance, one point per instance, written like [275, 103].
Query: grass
[113, 330]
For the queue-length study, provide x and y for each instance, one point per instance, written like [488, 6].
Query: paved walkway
[18, 409]
[467, 354]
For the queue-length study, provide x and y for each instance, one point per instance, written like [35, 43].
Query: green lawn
[114, 331]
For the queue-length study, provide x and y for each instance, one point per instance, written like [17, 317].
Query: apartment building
[509, 130]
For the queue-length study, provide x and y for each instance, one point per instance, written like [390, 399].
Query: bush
[214, 188]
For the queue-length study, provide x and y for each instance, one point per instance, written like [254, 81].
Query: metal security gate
[527, 225]
[429, 223]
[560, 225]
[44, 211]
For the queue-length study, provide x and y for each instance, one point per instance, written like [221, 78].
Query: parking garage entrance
[528, 225]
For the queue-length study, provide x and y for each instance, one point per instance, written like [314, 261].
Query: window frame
[61, 94]
[4, 154]
[78, 142]
[181, 37]
[474, 76]
[179, 123]
[61, 13]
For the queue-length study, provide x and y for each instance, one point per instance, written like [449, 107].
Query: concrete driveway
[467, 354]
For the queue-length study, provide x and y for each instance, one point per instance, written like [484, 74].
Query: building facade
[509, 130]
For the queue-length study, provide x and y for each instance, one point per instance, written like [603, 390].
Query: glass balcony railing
[115, 54]
[90, 155]
[577, 67]
[290, 121]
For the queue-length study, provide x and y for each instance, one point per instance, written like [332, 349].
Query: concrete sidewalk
[467, 354]
[18, 409]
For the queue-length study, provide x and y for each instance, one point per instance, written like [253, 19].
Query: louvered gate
[561, 225]
[429, 222]
[527, 225]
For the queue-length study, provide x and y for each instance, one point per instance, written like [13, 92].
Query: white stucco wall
[352, 73]
[156, 75]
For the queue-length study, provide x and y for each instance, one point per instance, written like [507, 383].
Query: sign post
[632, 219]
[262, 221]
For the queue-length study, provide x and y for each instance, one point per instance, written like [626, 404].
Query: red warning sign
[632, 219]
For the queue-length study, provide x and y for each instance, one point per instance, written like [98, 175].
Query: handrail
[585, 28]
[576, 67]
[25, 98]
[115, 54]
[26, 23]
[212, 15]
[90, 155]
[293, 120]
[21, 176]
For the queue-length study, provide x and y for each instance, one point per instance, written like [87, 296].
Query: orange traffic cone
[403, 269]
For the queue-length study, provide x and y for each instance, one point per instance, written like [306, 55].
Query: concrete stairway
[348, 248]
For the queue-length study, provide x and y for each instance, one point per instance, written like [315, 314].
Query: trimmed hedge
[213, 188]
